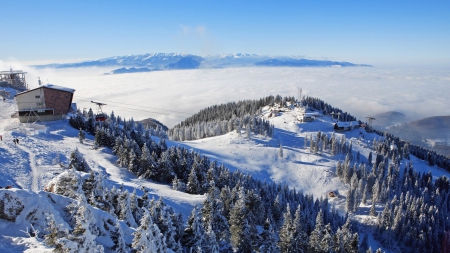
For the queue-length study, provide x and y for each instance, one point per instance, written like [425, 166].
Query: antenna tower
[299, 94]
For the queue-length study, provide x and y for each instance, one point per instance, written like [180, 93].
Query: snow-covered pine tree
[349, 201]
[54, 233]
[316, 235]
[280, 151]
[300, 238]
[364, 196]
[193, 185]
[77, 161]
[194, 234]
[134, 206]
[81, 136]
[239, 227]
[68, 183]
[162, 217]
[212, 213]
[372, 211]
[143, 240]
[286, 232]
[84, 230]
[118, 238]
[268, 239]
[125, 213]
[210, 243]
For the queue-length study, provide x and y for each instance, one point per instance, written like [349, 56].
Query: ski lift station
[13, 79]
[46, 103]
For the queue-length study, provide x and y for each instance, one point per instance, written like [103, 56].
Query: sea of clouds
[171, 96]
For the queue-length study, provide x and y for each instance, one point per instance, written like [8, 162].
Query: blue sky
[372, 32]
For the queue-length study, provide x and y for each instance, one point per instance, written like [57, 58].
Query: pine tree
[77, 161]
[118, 238]
[81, 136]
[210, 243]
[125, 213]
[193, 185]
[364, 195]
[316, 235]
[213, 213]
[286, 235]
[269, 240]
[239, 227]
[280, 151]
[193, 235]
[372, 210]
[300, 238]
[55, 232]
[69, 184]
[134, 206]
[326, 243]
[350, 201]
[84, 231]
[143, 241]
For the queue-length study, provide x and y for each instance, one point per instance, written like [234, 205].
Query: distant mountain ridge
[189, 61]
[432, 132]
[387, 119]
[305, 63]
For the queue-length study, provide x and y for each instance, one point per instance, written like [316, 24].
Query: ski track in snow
[34, 169]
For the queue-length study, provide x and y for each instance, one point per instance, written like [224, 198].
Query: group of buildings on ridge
[45, 103]
[338, 125]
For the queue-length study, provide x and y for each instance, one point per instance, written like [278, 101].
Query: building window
[38, 104]
[38, 96]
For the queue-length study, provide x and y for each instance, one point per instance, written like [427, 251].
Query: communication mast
[299, 99]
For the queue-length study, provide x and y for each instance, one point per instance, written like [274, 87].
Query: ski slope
[32, 163]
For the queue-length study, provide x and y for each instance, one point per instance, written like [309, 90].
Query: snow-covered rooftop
[51, 86]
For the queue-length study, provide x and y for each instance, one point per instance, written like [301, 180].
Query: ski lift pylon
[100, 116]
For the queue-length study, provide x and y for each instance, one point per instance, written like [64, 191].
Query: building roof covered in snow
[49, 86]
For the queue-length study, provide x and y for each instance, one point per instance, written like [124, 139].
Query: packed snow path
[34, 169]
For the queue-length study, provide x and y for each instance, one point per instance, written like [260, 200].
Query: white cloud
[418, 93]
[187, 30]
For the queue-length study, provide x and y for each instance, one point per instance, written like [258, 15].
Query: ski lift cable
[133, 109]
[137, 105]
[140, 110]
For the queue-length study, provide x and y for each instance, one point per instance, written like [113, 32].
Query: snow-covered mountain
[154, 60]
[189, 61]
[72, 205]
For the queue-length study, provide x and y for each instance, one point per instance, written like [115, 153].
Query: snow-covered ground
[32, 163]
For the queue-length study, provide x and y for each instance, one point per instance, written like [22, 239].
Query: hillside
[431, 132]
[387, 119]
[271, 168]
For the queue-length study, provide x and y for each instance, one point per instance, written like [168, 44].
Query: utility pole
[370, 118]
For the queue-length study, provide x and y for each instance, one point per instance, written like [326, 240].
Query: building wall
[33, 99]
[32, 118]
[59, 100]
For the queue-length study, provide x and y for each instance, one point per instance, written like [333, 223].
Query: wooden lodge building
[46, 103]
